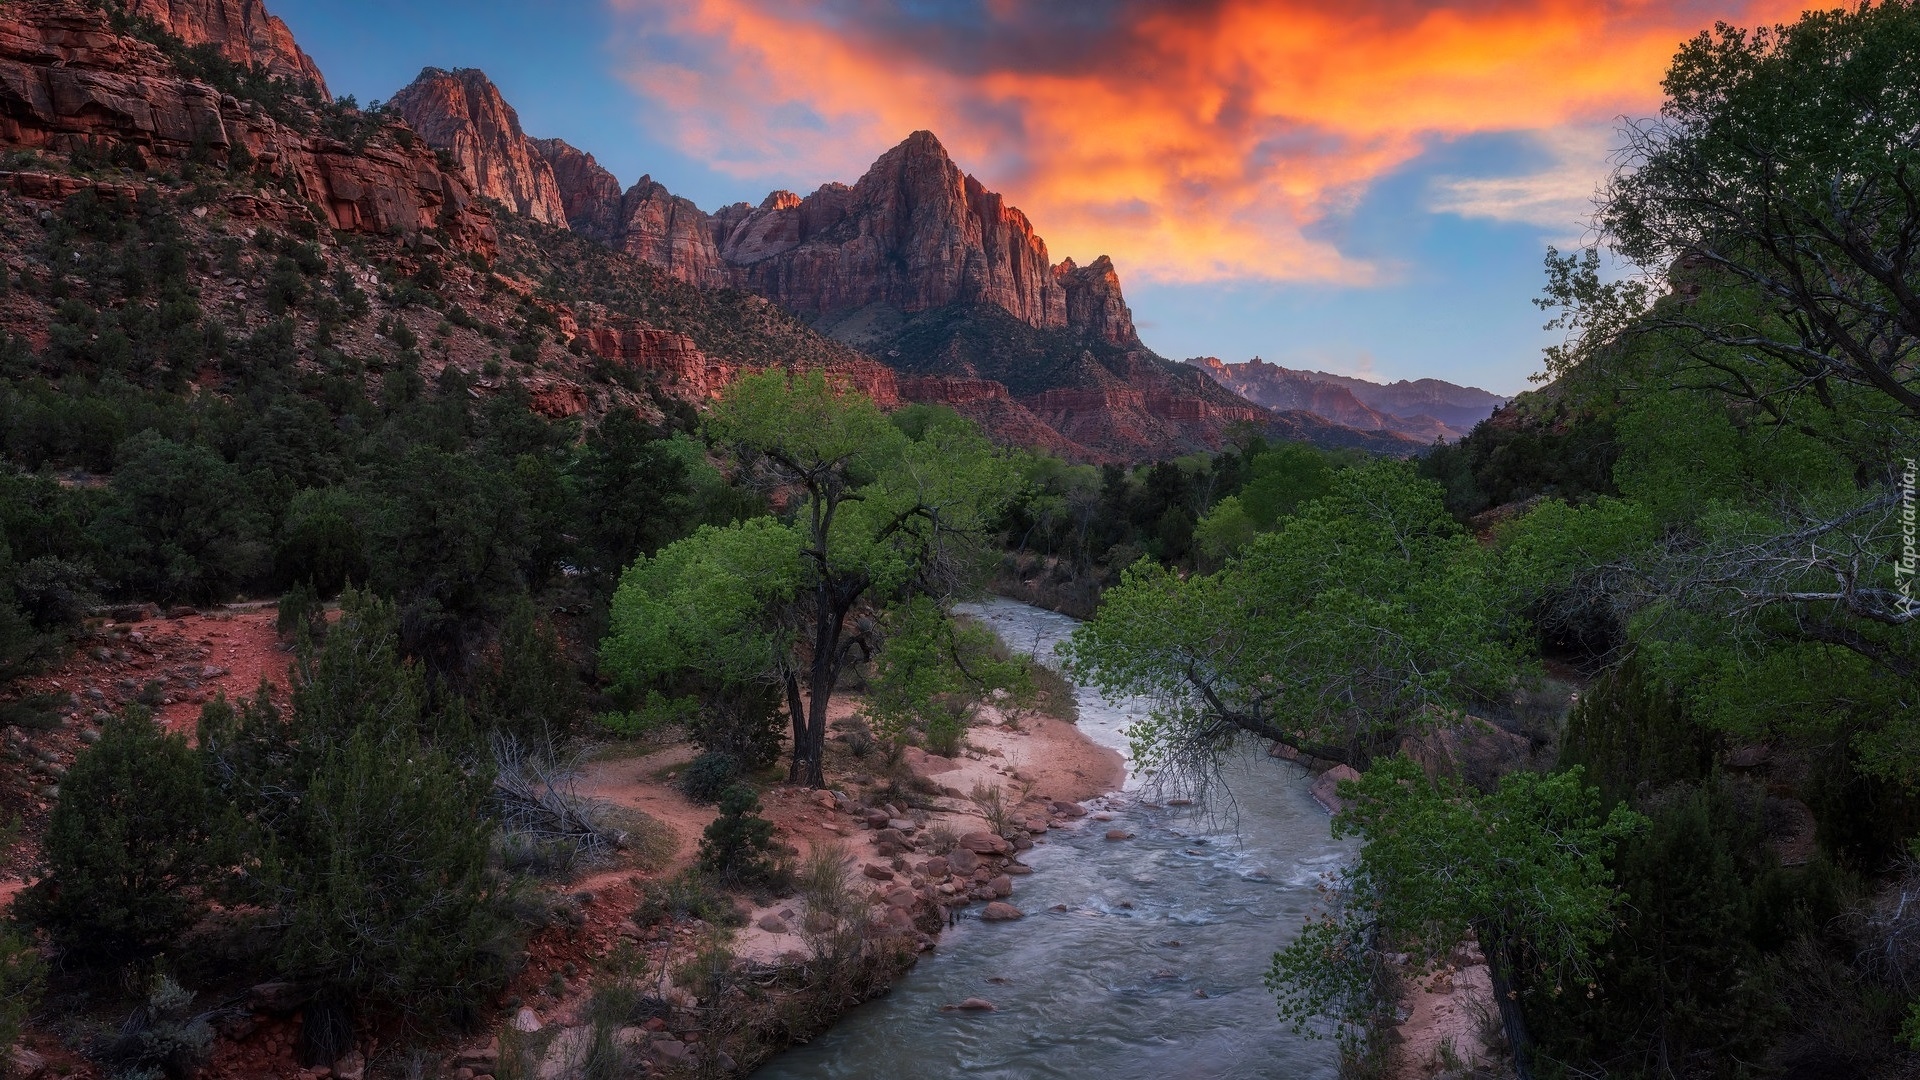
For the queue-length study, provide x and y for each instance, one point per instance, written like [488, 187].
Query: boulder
[526, 1020]
[877, 872]
[982, 842]
[1326, 787]
[1002, 886]
[972, 1004]
[1000, 911]
[962, 861]
[1119, 834]
[773, 924]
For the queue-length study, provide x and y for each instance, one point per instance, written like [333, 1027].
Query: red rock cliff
[242, 30]
[462, 112]
[68, 81]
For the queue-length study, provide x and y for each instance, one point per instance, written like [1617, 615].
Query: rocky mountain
[1426, 409]
[72, 85]
[916, 264]
[241, 30]
[462, 112]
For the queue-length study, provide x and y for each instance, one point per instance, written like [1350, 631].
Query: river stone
[999, 911]
[936, 867]
[1016, 869]
[1326, 787]
[1002, 886]
[901, 897]
[982, 842]
[962, 861]
[972, 1004]
[1119, 834]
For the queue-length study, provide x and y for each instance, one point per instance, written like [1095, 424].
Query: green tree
[873, 516]
[1776, 186]
[1523, 870]
[23, 977]
[129, 849]
[364, 805]
[176, 524]
[1356, 620]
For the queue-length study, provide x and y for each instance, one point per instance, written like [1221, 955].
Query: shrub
[161, 1040]
[687, 895]
[22, 976]
[300, 609]
[736, 845]
[129, 845]
[707, 777]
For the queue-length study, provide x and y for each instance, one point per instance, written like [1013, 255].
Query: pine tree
[130, 846]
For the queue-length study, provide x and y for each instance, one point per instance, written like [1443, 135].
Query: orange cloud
[1190, 141]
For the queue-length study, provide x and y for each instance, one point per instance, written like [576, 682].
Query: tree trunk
[797, 712]
[810, 741]
[1506, 996]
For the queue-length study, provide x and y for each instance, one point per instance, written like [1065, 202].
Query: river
[1153, 970]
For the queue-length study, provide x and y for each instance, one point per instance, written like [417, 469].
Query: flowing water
[1153, 971]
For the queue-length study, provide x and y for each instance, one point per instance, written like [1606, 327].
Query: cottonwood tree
[1522, 870]
[1354, 622]
[871, 517]
[1777, 196]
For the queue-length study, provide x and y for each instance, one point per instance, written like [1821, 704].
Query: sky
[1360, 186]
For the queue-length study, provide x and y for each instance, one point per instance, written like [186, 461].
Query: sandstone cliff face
[462, 112]
[242, 30]
[661, 228]
[589, 194]
[67, 82]
[912, 235]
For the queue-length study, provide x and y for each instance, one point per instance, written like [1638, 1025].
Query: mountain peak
[463, 112]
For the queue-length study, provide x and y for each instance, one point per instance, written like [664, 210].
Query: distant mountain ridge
[916, 264]
[1427, 409]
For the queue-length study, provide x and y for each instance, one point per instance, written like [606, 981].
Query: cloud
[1192, 141]
[1557, 198]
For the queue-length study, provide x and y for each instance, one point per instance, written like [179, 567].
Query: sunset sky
[1364, 186]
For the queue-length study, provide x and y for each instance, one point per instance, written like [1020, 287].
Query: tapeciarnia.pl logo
[1903, 569]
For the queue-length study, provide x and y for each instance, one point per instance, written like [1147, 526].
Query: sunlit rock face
[463, 113]
[241, 30]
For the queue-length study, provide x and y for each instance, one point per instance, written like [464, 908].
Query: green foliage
[364, 806]
[23, 977]
[708, 776]
[130, 847]
[528, 688]
[300, 612]
[163, 1038]
[1523, 869]
[1682, 989]
[932, 670]
[737, 844]
[1335, 634]
[175, 520]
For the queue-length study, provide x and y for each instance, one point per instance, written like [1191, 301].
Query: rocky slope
[241, 30]
[70, 84]
[462, 112]
[1426, 409]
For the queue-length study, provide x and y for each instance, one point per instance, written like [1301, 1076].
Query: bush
[129, 846]
[22, 976]
[736, 845]
[708, 776]
[161, 1040]
[687, 895]
[300, 609]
